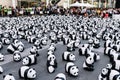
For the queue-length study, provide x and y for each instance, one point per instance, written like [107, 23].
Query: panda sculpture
[44, 40]
[5, 41]
[52, 47]
[107, 43]
[77, 43]
[95, 56]
[89, 64]
[37, 43]
[29, 60]
[1, 57]
[114, 57]
[113, 75]
[91, 41]
[96, 43]
[68, 56]
[70, 46]
[60, 76]
[11, 48]
[31, 39]
[66, 40]
[53, 39]
[19, 45]
[108, 51]
[104, 74]
[116, 65]
[17, 56]
[51, 63]
[116, 48]
[1, 70]
[72, 69]
[34, 51]
[8, 77]
[85, 36]
[50, 52]
[27, 73]
[83, 50]
[73, 36]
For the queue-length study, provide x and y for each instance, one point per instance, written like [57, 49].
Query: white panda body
[29, 60]
[70, 46]
[103, 75]
[11, 48]
[68, 56]
[60, 76]
[96, 43]
[51, 63]
[88, 64]
[95, 56]
[22, 70]
[116, 65]
[27, 72]
[107, 50]
[72, 69]
[107, 43]
[5, 41]
[114, 73]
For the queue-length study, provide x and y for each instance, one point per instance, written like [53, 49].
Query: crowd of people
[57, 10]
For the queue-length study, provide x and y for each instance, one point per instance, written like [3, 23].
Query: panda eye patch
[30, 71]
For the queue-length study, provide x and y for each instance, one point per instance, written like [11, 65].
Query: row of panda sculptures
[71, 30]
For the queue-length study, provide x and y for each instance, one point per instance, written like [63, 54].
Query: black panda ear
[10, 74]
[4, 76]
[33, 68]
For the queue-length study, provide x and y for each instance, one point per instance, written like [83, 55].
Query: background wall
[6, 3]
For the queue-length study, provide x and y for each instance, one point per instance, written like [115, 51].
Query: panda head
[104, 71]
[1, 70]
[31, 73]
[74, 71]
[96, 41]
[72, 57]
[25, 61]
[51, 57]
[20, 48]
[8, 77]
[33, 49]
[109, 66]
[60, 76]
[37, 42]
[90, 60]
[17, 56]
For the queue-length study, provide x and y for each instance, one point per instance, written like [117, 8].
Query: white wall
[8, 3]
